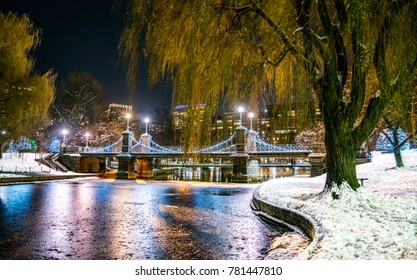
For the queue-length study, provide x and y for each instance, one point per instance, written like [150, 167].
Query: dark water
[107, 219]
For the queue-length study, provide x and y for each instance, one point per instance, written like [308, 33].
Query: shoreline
[36, 177]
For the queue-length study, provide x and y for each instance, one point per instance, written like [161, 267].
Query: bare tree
[79, 104]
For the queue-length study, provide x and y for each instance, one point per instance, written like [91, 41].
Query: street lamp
[64, 132]
[241, 110]
[146, 125]
[86, 140]
[251, 117]
[128, 116]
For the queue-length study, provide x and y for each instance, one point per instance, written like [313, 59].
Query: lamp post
[128, 116]
[251, 117]
[241, 110]
[146, 125]
[64, 132]
[86, 140]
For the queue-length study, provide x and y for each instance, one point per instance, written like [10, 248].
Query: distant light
[146, 120]
[241, 109]
[251, 115]
[128, 116]
[64, 131]
[87, 134]
[180, 107]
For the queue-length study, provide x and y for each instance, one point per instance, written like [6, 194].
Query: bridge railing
[262, 146]
[155, 148]
[226, 146]
[116, 147]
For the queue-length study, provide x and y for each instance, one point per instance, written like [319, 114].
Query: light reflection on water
[103, 219]
[224, 174]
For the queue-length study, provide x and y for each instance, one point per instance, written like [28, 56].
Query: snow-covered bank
[23, 163]
[377, 222]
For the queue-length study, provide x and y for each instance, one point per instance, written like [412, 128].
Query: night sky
[82, 35]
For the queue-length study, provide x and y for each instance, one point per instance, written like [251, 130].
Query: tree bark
[397, 148]
[341, 151]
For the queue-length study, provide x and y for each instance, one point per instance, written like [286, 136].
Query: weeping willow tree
[25, 96]
[339, 52]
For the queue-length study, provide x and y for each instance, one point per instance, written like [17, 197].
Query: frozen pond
[120, 219]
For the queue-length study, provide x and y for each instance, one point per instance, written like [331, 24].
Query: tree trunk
[341, 152]
[398, 158]
[397, 148]
[1, 149]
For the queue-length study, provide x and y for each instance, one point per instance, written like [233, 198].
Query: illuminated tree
[80, 100]
[221, 51]
[25, 95]
[79, 105]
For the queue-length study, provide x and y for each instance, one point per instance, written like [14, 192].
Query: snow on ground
[14, 163]
[379, 221]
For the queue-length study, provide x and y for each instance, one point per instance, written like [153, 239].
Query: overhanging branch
[255, 8]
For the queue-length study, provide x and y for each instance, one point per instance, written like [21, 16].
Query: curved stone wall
[292, 218]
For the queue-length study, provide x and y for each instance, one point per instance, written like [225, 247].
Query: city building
[279, 124]
[183, 115]
[223, 126]
[118, 111]
[276, 124]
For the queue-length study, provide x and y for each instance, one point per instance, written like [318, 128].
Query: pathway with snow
[379, 221]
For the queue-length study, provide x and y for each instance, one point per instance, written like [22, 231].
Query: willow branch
[277, 28]
[283, 53]
[342, 13]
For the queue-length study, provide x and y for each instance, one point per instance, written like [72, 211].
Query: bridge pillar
[250, 145]
[145, 168]
[240, 158]
[126, 167]
[145, 139]
[317, 163]
[240, 139]
[126, 141]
